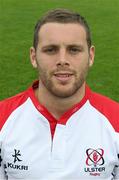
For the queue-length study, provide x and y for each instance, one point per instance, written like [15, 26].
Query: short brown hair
[61, 16]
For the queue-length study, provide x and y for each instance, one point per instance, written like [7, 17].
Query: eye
[50, 50]
[74, 50]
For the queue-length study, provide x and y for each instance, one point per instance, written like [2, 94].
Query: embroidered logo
[16, 155]
[16, 163]
[94, 161]
[95, 157]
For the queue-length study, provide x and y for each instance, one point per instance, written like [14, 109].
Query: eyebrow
[50, 45]
[56, 45]
[76, 45]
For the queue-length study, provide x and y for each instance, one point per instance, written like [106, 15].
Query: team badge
[95, 157]
[94, 161]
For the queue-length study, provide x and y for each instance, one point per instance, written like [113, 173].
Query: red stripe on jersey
[9, 105]
[108, 107]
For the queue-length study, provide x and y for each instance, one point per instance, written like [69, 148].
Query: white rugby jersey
[82, 144]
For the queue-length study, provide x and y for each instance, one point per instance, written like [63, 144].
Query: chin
[63, 93]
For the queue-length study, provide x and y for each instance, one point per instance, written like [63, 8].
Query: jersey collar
[64, 118]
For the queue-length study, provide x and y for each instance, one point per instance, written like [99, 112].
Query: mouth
[63, 76]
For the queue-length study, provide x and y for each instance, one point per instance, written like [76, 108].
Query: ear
[91, 55]
[33, 57]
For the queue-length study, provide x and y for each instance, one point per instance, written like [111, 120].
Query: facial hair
[80, 77]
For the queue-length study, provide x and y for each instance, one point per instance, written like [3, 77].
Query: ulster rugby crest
[95, 157]
[94, 161]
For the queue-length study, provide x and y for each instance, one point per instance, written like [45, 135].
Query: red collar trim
[64, 118]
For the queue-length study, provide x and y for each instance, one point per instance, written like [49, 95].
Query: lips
[63, 76]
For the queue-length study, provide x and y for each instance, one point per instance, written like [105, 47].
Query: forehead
[62, 33]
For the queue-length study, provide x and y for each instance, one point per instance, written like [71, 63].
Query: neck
[55, 105]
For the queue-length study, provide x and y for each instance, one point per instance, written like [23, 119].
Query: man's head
[61, 16]
[62, 52]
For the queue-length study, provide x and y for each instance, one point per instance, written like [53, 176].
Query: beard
[67, 89]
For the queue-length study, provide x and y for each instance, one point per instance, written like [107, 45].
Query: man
[59, 128]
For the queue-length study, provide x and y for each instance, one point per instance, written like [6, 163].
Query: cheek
[45, 63]
[78, 64]
[82, 67]
[44, 69]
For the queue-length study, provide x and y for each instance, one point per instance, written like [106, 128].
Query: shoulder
[108, 107]
[7, 106]
[103, 103]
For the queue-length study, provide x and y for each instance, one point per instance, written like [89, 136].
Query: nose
[62, 59]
